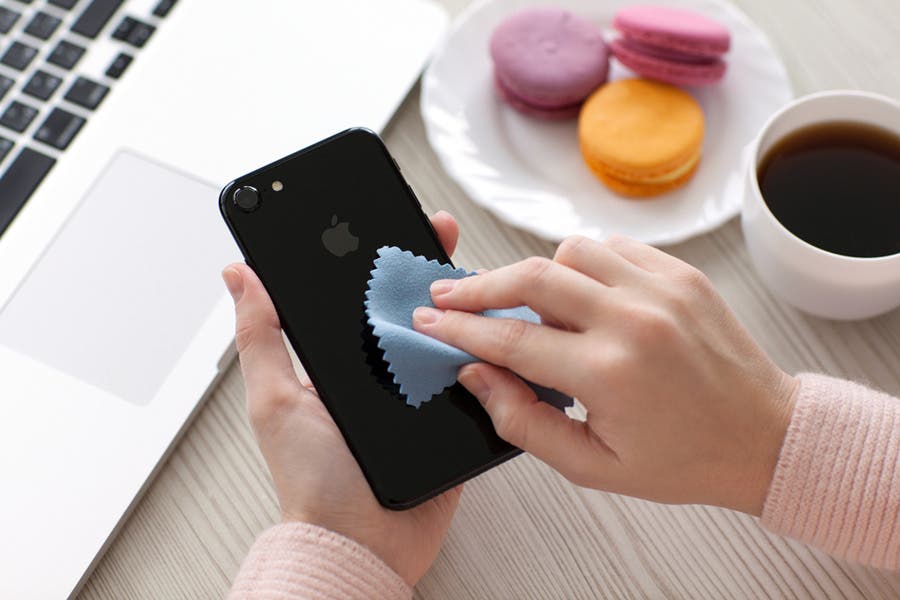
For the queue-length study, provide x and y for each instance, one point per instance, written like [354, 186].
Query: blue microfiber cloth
[423, 366]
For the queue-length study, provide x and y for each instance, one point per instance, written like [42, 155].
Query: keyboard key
[5, 146]
[140, 33]
[18, 116]
[134, 32]
[119, 65]
[162, 9]
[66, 55]
[22, 177]
[86, 93]
[124, 28]
[8, 18]
[19, 56]
[5, 84]
[95, 17]
[59, 129]
[64, 4]
[42, 25]
[42, 85]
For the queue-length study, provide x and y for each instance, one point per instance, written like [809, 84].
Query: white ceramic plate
[530, 173]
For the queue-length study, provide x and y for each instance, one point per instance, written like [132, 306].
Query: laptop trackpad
[123, 288]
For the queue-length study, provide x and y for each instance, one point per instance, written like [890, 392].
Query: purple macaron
[547, 61]
[671, 45]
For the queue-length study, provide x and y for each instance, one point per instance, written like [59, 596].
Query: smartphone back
[313, 244]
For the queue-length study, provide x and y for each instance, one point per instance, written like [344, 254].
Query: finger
[265, 361]
[447, 230]
[542, 354]
[597, 261]
[299, 369]
[439, 510]
[554, 291]
[567, 445]
[450, 499]
[644, 256]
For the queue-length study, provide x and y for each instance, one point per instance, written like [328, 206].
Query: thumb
[567, 445]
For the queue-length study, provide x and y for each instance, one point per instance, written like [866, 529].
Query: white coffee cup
[819, 282]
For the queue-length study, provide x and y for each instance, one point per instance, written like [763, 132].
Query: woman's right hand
[682, 405]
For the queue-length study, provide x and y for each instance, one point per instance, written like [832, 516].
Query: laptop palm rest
[127, 282]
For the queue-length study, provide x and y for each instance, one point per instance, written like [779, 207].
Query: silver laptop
[119, 122]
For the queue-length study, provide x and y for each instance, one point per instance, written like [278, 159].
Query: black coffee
[836, 185]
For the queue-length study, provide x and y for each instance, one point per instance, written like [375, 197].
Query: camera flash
[277, 186]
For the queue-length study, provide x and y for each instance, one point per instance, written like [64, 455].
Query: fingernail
[442, 286]
[475, 383]
[425, 315]
[233, 282]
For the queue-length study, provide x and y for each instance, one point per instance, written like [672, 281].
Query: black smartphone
[309, 225]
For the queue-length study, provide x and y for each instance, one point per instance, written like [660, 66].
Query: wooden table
[522, 531]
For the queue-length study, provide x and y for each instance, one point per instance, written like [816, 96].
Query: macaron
[547, 61]
[671, 44]
[641, 138]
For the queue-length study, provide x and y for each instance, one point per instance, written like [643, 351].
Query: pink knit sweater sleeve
[837, 481]
[298, 560]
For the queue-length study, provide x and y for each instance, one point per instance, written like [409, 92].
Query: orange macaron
[641, 138]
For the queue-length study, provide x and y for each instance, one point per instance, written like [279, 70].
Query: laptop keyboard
[44, 100]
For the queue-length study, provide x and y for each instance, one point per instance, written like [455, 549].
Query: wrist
[776, 417]
[319, 519]
[299, 559]
[369, 537]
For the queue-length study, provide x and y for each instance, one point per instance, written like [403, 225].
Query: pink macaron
[547, 61]
[670, 44]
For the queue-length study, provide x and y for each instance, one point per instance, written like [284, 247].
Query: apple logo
[338, 240]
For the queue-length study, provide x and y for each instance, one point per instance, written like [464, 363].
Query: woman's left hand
[317, 480]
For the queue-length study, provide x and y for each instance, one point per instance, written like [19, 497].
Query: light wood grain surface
[522, 531]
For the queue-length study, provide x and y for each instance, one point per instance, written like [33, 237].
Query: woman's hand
[316, 478]
[682, 405]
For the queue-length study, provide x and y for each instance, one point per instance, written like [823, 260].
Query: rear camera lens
[247, 198]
